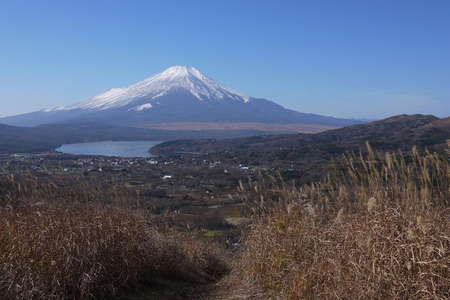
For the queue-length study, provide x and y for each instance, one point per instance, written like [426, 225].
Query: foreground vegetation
[79, 250]
[379, 229]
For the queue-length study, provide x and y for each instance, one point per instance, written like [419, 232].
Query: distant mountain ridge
[14, 139]
[179, 94]
[397, 132]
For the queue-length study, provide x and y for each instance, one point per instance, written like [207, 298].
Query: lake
[110, 148]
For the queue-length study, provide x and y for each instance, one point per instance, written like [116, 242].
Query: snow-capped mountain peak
[187, 79]
[180, 71]
[179, 95]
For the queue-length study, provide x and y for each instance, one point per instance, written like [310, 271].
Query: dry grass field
[379, 229]
[79, 246]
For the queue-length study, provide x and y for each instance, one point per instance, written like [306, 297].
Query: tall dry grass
[27, 189]
[379, 228]
[57, 245]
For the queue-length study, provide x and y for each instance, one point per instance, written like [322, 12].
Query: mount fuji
[179, 95]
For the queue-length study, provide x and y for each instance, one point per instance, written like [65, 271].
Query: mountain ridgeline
[398, 132]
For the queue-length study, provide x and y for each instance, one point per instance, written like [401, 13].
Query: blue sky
[347, 58]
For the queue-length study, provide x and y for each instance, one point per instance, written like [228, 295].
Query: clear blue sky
[347, 58]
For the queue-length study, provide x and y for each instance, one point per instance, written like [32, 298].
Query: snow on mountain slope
[142, 107]
[176, 77]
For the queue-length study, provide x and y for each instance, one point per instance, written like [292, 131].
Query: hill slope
[398, 132]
